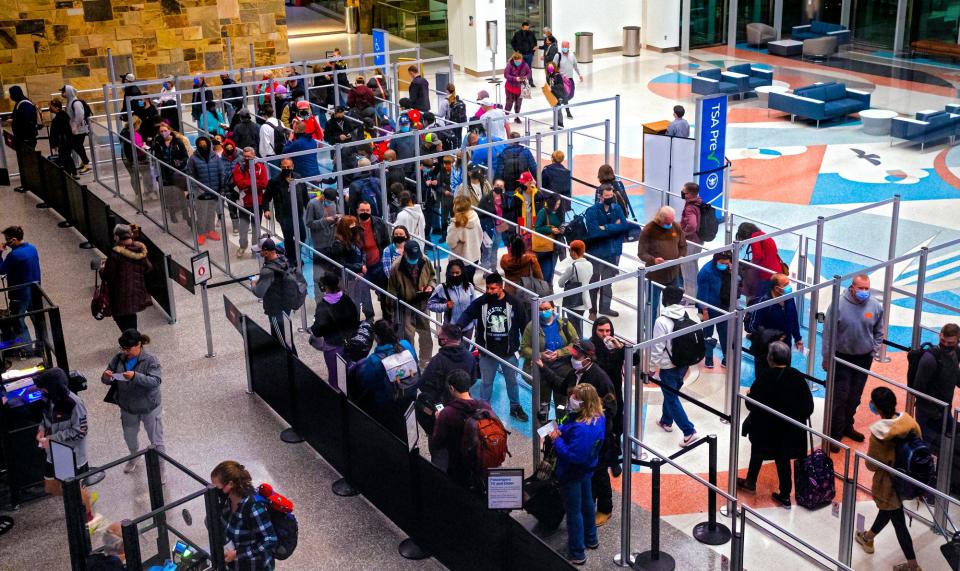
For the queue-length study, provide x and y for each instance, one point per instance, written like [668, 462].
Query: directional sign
[201, 267]
[180, 275]
[381, 47]
[711, 146]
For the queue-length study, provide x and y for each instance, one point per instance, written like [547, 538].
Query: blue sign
[711, 147]
[379, 47]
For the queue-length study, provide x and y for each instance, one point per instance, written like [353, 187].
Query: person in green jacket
[549, 221]
[557, 336]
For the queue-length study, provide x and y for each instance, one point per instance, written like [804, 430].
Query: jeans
[415, 324]
[488, 256]
[19, 307]
[783, 472]
[899, 525]
[601, 272]
[581, 517]
[358, 291]
[548, 263]
[80, 148]
[672, 407]
[152, 423]
[488, 370]
[721, 333]
[529, 59]
[847, 392]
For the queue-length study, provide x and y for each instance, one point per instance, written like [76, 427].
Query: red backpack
[485, 439]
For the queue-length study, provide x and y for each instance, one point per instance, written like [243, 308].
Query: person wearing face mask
[606, 226]
[207, 168]
[375, 236]
[247, 132]
[124, 271]
[475, 188]
[244, 180]
[247, 530]
[172, 155]
[690, 224]
[671, 377]
[321, 217]
[285, 209]
[338, 130]
[268, 286]
[465, 235]
[412, 218]
[405, 147]
[558, 179]
[434, 389]
[267, 144]
[937, 376]
[524, 41]
[20, 266]
[785, 390]
[305, 116]
[365, 188]
[858, 323]
[306, 164]
[661, 240]
[212, 121]
[494, 202]
[575, 275]
[578, 441]
[453, 296]
[764, 261]
[412, 282]
[548, 222]
[201, 95]
[885, 436]
[557, 337]
[610, 358]
[447, 437]
[334, 321]
[568, 67]
[138, 394]
[64, 419]
[774, 322]
[713, 289]
[517, 74]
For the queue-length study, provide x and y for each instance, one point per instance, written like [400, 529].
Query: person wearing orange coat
[242, 178]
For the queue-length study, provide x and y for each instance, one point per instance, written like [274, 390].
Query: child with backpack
[892, 437]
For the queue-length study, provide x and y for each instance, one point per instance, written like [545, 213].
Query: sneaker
[84, 169]
[201, 239]
[95, 523]
[855, 435]
[236, 231]
[743, 484]
[602, 518]
[866, 544]
[213, 235]
[688, 440]
[569, 115]
[784, 501]
[130, 466]
[595, 545]
[592, 316]
[707, 366]
[516, 411]
[577, 560]
[609, 313]
[75, 176]
[240, 252]
[907, 566]
[666, 427]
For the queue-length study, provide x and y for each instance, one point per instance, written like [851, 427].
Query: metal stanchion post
[710, 532]
[626, 484]
[606, 142]
[93, 153]
[207, 330]
[847, 518]
[734, 328]
[78, 537]
[802, 247]
[384, 195]
[113, 146]
[253, 60]
[538, 147]
[131, 545]
[815, 299]
[917, 332]
[490, 174]
[416, 163]
[830, 353]
[569, 151]
[888, 277]
[616, 136]
[338, 151]
[535, 381]
[640, 409]
[734, 339]
[296, 217]
[134, 158]
[655, 560]
[213, 506]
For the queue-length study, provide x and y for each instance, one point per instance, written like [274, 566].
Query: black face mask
[363, 216]
[950, 350]
[286, 172]
[498, 190]
[608, 201]
[455, 280]
[222, 495]
[399, 240]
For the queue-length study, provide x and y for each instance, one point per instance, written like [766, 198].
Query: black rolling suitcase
[541, 492]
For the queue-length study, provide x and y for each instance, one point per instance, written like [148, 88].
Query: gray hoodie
[74, 108]
[660, 355]
[860, 325]
[141, 394]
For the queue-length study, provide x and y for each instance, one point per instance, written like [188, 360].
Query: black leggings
[900, 526]
[125, 322]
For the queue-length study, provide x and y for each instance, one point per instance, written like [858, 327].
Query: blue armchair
[818, 29]
[953, 108]
[929, 126]
[820, 101]
[755, 76]
[714, 81]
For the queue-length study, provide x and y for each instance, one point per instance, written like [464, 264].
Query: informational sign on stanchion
[201, 267]
[181, 275]
[505, 488]
[413, 433]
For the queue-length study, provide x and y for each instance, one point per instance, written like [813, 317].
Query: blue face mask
[787, 289]
[565, 50]
[862, 295]
[666, 226]
[873, 409]
[196, 83]
[722, 267]
[329, 203]
[412, 262]
[405, 129]
[546, 314]
[517, 63]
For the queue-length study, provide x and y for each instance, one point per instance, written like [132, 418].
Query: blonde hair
[461, 208]
[590, 408]
[516, 56]
[558, 156]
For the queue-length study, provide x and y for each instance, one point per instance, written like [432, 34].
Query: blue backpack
[914, 459]
[369, 194]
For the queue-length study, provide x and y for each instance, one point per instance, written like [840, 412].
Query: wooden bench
[936, 47]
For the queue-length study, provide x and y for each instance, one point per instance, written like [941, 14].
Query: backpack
[403, 373]
[359, 344]
[914, 459]
[484, 440]
[293, 289]
[576, 229]
[689, 349]
[369, 194]
[280, 134]
[709, 225]
[913, 362]
[280, 511]
[458, 111]
[512, 163]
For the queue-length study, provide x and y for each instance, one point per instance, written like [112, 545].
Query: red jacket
[690, 221]
[313, 127]
[241, 178]
[764, 254]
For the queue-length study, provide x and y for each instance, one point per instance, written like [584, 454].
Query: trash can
[631, 41]
[352, 16]
[584, 49]
[538, 58]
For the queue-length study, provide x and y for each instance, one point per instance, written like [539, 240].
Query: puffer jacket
[125, 274]
[210, 170]
[270, 275]
[307, 164]
[247, 134]
[884, 434]
[141, 394]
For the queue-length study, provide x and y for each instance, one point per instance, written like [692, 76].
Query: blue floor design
[831, 188]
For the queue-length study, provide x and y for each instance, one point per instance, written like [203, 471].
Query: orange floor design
[791, 179]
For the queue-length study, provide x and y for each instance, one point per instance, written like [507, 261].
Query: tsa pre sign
[711, 146]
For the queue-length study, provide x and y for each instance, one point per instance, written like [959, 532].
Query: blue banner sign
[711, 147]
[379, 47]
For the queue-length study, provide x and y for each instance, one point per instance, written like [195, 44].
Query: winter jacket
[210, 171]
[606, 243]
[937, 376]
[360, 97]
[514, 161]
[25, 124]
[664, 324]
[335, 128]
[322, 230]
[884, 436]
[125, 274]
[764, 254]
[479, 156]
[516, 76]
[348, 255]
[21, 265]
[277, 199]
[466, 241]
[514, 269]
[520, 209]
[268, 287]
[247, 134]
[578, 448]
[335, 322]
[64, 416]
[658, 242]
[433, 380]
[551, 54]
[401, 285]
[581, 270]
[859, 325]
[546, 221]
[781, 317]
[785, 390]
[372, 391]
[710, 285]
[173, 155]
[61, 135]
[74, 107]
[524, 41]
[558, 179]
[461, 296]
[568, 335]
[366, 187]
[420, 94]
[690, 220]
[411, 217]
[448, 436]
[305, 164]
[141, 394]
[212, 123]
[244, 182]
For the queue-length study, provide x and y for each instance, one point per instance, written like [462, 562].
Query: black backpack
[689, 349]
[915, 459]
[458, 111]
[293, 289]
[576, 229]
[280, 138]
[358, 345]
[709, 225]
[913, 362]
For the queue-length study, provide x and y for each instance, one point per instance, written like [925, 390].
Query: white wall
[663, 24]
[468, 44]
[605, 18]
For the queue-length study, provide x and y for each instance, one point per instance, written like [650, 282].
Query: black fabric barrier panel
[269, 370]
[380, 464]
[527, 551]
[28, 161]
[76, 211]
[319, 414]
[101, 233]
[54, 185]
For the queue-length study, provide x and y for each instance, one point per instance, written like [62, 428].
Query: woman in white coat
[465, 235]
[577, 274]
[411, 218]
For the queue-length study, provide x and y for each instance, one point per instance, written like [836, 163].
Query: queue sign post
[201, 275]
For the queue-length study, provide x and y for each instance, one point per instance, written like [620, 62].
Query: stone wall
[46, 43]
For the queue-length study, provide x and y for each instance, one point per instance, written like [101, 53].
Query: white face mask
[573, 405]
[577, 364]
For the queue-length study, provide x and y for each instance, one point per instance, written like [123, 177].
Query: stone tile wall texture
[46, 43]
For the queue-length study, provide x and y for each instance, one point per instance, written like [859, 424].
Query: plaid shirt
[252, 534]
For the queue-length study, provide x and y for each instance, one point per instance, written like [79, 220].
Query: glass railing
[419, 22]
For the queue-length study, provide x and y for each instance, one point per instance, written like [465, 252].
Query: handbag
[548, 93]
[100, 304]
[525, 91]
[111, 396]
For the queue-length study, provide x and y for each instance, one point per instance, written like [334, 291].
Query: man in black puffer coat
[433, 382]
[247, 132]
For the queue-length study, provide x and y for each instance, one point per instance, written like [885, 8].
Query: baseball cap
[129, 77]
[585, 347]
[411, 250]
[303, 105]
[485, 102]
[525, 178]
[266, 244]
